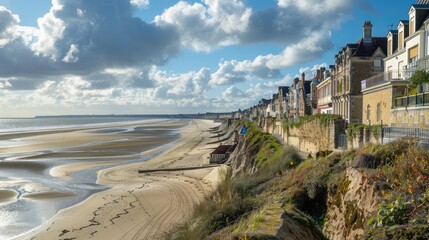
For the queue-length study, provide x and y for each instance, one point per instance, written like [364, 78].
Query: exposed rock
[275, 223]
[242, 160]
[350, 207]
[366, 161]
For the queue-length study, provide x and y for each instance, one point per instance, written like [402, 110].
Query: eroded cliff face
[243, 159]
[350, 206]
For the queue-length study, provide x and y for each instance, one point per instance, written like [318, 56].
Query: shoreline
[139, 205]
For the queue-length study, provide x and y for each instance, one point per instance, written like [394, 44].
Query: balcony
[423, 63]
[421, 99]
[387, 77]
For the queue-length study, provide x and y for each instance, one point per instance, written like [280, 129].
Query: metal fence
[421, 99]
[393, 133]
[342, 141]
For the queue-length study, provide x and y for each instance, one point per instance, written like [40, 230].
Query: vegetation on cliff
[323, 119]
[238, 202]
[287, 196]
[404, 173]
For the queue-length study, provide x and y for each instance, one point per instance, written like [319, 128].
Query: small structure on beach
[221, 153]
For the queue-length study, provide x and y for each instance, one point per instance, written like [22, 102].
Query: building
[299, 103]
[354, 63]
[221, 153]
[386, 98]
[324, 102]
[282, 99]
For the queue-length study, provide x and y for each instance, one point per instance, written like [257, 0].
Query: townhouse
[354, 63]
[386, 98]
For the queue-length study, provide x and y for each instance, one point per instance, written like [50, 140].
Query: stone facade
[417, 117]
[311, 137]
[354, 63]
[377, 103]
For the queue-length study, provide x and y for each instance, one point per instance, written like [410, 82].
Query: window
[412, 28]
[377, 63]
[412, 55]
[401, 39]
[389, 47]
[368, 112]
[378, 112]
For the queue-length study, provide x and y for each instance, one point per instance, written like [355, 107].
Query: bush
[406, 174]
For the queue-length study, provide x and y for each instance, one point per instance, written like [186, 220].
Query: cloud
[140, 3]
[231, 72]
[89, 53]
[204, 26]
[323, 6]
[8, 25]
[179, 86]
[82, 37]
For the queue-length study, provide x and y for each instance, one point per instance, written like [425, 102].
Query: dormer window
[412, 26]
[401, 40]
[377, 63]
[389, 47]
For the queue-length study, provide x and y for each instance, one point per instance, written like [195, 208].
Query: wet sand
[136, 206]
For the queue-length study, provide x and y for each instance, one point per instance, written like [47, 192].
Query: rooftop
[222, 149]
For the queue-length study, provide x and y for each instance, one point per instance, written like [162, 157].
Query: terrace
[416, 100]
[396, 76]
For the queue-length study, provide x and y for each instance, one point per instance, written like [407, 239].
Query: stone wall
[311, 137]
[362, 138]
[381, 98]
[417, 117]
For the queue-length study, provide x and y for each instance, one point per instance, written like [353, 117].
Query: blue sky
[142, 56]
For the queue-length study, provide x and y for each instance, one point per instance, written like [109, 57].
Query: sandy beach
[136, 205]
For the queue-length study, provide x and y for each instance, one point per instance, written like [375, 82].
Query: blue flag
[243, 130]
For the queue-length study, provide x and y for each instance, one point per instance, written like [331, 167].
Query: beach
[130, 205]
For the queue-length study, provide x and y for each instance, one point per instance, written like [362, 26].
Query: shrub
[406, 174]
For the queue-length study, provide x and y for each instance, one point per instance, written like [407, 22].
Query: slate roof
[367, 49]
[284, 90]
[222, 149]
[420, 6]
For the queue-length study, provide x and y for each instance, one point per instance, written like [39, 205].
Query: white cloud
[8, 25]
[82, 37]
[234, 71]
[204, 26]
[322, 6]
[314, 45]
[140, 3]
[98, 53]
[71, 54]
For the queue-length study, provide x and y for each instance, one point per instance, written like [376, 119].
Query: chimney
[367, 31]
[319, 74]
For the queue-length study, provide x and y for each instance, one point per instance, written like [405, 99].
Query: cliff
[270, 192]
[349, 207]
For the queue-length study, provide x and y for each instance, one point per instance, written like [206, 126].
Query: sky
[65, 57]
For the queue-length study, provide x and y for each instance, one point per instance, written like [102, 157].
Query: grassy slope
[248, 207]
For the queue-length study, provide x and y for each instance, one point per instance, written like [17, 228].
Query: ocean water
[28, 124]
[24, 214]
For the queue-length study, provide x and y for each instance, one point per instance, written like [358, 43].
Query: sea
[38, 123]
[23, 215]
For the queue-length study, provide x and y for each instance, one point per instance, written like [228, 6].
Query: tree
[419, 78]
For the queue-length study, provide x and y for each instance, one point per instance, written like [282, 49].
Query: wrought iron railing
[423, 63]
[422, 134]
[421, 99]
[386, 77]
